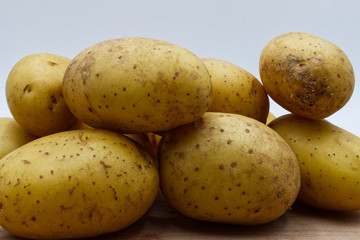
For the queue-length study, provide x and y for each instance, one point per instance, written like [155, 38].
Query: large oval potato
[235, 90]
[12, 136]
[34, 94]
[137, 85]
[76, 184]
[228, 168]
[306, 75]
[329, 159]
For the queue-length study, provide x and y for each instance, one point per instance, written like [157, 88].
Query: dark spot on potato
[233, 164]
[52, 63]
[257, 210]
[53, 99]
[196, 169]
[221, 167]
[33, 219]
[27, 88]
[251, 151]
[216, 198]
[114, 192]
[228, 141]
[105, 165]
[52, 172]
[26, 161]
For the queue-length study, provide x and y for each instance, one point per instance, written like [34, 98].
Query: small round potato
[12, 136]
[76, 184]
[306, 75]
[235, 90]
[228, 168]
[34, 94]
[137, 85]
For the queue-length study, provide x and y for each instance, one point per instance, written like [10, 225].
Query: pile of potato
[93, 138]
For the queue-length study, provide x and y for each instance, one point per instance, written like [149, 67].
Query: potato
[228, 168]
[75, 184]
[144, 140]
[154, 141]
[34, 94]
[269, 118]
[329, 159]
[306, 75]
[12, 136]
[235, 90]
[137, 85]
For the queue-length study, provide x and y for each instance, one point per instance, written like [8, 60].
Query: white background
[234, 31]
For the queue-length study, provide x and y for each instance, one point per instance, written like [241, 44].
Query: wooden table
[302, 222]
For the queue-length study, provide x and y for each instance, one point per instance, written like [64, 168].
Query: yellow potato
[235, 90]
[137, 85]
[329, 159]
[144, 140]
[12, 136]
[76, 184]
[306, 75]
[34, 94]
[269, 118]
[228, 168]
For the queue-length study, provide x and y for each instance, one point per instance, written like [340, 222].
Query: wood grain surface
[301, 222]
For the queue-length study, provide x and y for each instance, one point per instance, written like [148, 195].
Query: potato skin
[307, 75]
[34, 94]
[12, 136]
[75, 184]
[137, 85]
[269, 118]
[235, 90]
[217, 169]
[329, 159]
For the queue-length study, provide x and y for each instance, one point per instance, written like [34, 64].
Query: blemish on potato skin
[27, 88]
